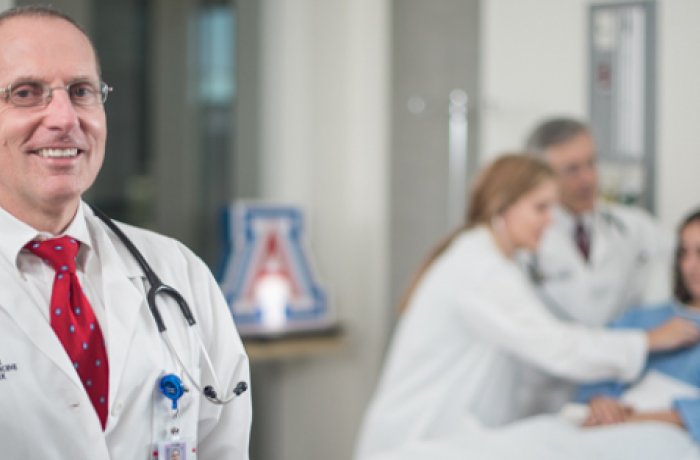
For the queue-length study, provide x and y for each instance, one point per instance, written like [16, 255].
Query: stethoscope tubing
[157, 287]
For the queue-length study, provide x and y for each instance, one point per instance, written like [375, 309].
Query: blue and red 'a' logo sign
[267, 279]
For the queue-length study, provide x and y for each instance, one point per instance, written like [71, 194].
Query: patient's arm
[685, 413]
[605, 411]
[668, 416]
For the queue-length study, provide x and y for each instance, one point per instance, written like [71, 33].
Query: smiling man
[87, 359]
[52, 122]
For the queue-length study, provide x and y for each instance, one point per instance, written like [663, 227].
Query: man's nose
[60, 111]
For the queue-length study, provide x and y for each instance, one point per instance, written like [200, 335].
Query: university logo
[267, 276]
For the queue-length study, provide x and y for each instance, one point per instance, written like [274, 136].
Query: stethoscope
[170, 385]
[537, 276]
[534, 268]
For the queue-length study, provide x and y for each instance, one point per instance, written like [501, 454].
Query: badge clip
[172, 388]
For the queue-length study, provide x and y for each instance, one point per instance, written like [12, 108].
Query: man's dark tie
[583, 241]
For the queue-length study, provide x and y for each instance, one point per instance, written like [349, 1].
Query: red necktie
[74, 322]
[582, 241]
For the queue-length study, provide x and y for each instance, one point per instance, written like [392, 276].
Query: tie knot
[59, 252]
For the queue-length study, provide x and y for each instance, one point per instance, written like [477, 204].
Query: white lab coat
[45, 411]
[473, 324]
[629, 265]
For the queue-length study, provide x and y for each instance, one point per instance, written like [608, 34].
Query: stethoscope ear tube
[156, 285]
[175, 295]
[145, 267]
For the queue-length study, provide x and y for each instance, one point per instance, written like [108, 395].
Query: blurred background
[372, 115]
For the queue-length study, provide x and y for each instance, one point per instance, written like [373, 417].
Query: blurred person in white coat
[472, 323]
[81, 357]
[656, 417]
[597, 259]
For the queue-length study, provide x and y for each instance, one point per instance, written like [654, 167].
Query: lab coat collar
[97, 230]
[124, 297]
[567, 220]
[122, 289]
[14, 301]
[35, 326]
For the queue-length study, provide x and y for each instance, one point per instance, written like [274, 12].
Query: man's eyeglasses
[35, 94]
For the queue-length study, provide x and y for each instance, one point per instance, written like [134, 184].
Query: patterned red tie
[582, 241]
[74, 321]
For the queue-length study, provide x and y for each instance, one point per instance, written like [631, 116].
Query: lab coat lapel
[124, 298]
[562, 245]
[600, 244]
[22, 306]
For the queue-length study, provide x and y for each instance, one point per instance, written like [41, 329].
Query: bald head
[41, 11]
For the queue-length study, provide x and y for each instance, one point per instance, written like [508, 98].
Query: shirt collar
[568, 220]
[17, 233]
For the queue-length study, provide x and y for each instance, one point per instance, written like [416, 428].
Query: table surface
[291, 347]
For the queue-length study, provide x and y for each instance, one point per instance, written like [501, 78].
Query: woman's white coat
[473, 325]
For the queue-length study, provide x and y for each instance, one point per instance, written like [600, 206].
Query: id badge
[175, 419]
[174, 450]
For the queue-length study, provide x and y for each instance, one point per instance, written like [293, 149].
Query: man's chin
[579, 208]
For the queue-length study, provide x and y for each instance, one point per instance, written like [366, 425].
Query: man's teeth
[58, 153]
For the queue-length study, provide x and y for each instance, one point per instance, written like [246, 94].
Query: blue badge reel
[175, 420]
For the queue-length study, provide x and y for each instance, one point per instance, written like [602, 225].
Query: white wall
[678, 121]
[324, 142]
[535, 65]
